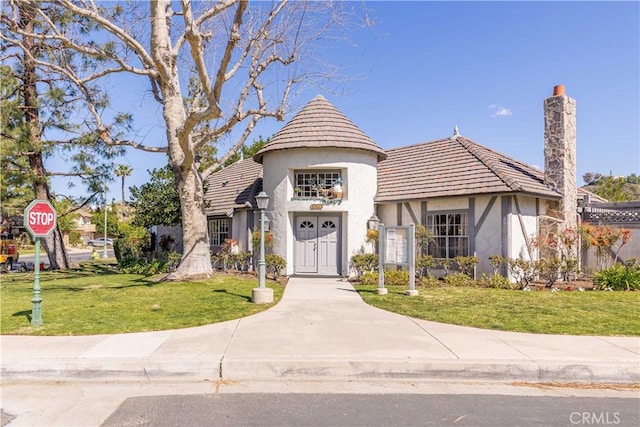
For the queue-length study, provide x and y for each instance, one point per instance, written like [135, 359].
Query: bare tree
[215, 68]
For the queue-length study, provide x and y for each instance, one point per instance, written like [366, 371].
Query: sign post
[397, 248]
[40, 219]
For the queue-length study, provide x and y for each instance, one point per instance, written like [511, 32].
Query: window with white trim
[311, 183]
[449, 231]
[218, 231]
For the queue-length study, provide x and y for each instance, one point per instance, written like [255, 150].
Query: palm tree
[123, 171]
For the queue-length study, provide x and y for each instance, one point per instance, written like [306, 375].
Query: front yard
[95, 299]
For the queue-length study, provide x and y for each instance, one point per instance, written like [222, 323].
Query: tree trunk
[196, 255]
[196, 258]
[53, 243]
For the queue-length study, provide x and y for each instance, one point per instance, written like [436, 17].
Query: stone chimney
[560, 156]
[559, 169]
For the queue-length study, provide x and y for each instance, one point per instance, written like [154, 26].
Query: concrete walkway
[322, 329]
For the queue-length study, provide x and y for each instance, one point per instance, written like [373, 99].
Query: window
[218, 231]
[450, 235]
[315, 183]
[328, 225]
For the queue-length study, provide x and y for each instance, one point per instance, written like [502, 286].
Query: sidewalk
[322, 329]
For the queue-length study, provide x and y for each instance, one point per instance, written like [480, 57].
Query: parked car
[100, 241]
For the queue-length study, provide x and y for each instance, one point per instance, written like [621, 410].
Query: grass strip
[541, 312]
[95, 299]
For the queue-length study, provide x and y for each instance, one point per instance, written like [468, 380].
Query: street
[76, 255]
[373, 410]
[313, 403]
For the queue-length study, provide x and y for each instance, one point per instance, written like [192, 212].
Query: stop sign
[40, 218]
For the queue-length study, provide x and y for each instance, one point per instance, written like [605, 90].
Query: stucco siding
[239, 231]
[359, 182]
[523, 231]
[487, 233]
[386, 212]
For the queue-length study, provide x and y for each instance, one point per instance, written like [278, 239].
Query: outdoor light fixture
[262, 295]
[373, 223]
[262, 201]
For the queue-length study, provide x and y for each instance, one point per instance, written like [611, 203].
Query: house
[83, 226]
[326, 178]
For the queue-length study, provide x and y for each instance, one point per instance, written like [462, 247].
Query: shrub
[549, 269]
[132, 248]
[173, 260]
[569, 269]
[362, 263]
[424, 237]
[497, 261]
[369, 278]
[396, 278]
[620, 277]
[221, 260]
[424, 264]
[460, 280]
[445, 264]
[497, 281]
[275, 264]
[522, 270]
[430, 282]
[466, 264]
[140, 266]
[240, 261]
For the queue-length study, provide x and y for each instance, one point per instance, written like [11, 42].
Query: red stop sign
[40, 218]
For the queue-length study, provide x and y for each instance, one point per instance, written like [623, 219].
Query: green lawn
[95, 299]
[544, 312]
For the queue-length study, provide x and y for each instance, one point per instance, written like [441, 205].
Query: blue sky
[486, 67]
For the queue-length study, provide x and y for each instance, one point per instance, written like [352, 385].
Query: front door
[306, 245]
[317, 245]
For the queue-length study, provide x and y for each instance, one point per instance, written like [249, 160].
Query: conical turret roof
[318, 125]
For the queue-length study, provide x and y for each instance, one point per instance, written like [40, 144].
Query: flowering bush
[255, 239]
[604, 238]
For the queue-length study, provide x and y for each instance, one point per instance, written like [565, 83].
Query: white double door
[317, 245]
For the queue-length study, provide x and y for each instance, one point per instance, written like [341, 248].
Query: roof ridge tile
[475, 150]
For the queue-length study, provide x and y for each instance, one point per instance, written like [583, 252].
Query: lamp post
[262, 294]
[104, 252]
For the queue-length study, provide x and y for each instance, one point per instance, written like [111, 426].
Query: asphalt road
[374, 410]
[76, 256]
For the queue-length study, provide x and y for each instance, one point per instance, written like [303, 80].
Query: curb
[314, 369]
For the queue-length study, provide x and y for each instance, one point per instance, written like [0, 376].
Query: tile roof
[454, 166]
[592, 196]
[320, 124]
[233, 187]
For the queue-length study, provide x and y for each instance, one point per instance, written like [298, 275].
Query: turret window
[318, 184]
